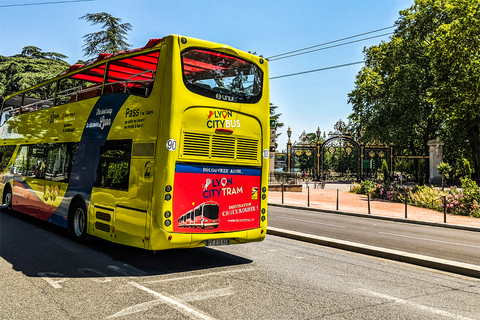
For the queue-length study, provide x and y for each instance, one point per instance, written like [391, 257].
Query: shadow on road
[37, 248]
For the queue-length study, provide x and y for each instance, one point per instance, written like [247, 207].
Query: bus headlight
[168, 223]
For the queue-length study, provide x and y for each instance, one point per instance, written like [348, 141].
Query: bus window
[221, 76]
[113, 169]
[198, 211]
[59, 161]
[83, 85]
[30, 161]
[6, 153]
[134, 75]
[39, 98]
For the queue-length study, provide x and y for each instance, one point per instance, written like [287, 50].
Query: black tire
[7, 198]
[78, 222]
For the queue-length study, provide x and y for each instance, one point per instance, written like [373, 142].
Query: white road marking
[54, 283]
[418, 238]
[187, 297]
[283, 254]
[136, 272]
[414, 305]
[102, 277]
[136, 308]
[201, 275]
[204, 295]
[309, 221]
[177, 304]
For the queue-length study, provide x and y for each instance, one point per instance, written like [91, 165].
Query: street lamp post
[319, 133]
[289, 147]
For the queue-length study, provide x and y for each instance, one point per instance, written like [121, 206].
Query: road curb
[370, 216]
[411, 258]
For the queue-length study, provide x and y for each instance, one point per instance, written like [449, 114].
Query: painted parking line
[200, 275]
[414, 305]
[141, 307]
[205, 295]
[180, 302]
[178, 305]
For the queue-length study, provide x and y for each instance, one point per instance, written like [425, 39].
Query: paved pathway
[349, 202]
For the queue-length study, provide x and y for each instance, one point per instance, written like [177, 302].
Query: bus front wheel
[78, 222]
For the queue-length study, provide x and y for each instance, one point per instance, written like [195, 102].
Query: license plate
[218, 242]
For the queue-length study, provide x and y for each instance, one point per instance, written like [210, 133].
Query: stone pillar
[436, 156]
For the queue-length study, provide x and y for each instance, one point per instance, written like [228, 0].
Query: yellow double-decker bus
[166, 146]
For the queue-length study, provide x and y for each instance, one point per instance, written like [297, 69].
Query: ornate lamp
[289, 148]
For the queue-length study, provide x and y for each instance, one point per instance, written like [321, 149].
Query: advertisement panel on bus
[215, 198]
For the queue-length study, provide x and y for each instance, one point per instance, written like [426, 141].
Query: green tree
[444, 169]
[385, 173]
[389, 101]
[276, 116]
[37, 53]
[463, 168]
[112, 39]
[29, 68]
[455, 59]
[403, 165]
[425, 81]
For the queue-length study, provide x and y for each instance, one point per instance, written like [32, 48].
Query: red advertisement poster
[215, 199]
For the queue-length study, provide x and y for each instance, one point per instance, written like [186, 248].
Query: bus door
[132, 216]
[122, 194]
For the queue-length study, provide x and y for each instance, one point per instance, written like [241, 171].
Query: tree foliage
[444, 169]
[29, 68]
[112, 39]
[425, 81]
[276, 116]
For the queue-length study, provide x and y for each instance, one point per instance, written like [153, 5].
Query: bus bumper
[162, 240]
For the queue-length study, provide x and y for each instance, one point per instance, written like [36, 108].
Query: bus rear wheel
[78, 222]
[7, 198]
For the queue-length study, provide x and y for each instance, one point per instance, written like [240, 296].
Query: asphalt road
[45, 275]
[437, 242]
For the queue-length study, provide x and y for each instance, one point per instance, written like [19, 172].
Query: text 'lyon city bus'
[165, 146]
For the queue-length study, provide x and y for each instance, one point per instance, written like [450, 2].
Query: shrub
[464, 202]
[425, 197]
[356, 188]
[392, 191]
[366, 186]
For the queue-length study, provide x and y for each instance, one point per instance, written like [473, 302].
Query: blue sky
[267, 27]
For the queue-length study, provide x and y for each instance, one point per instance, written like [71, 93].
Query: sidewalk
[350, 202]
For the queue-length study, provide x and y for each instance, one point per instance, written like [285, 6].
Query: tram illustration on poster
[215, 198]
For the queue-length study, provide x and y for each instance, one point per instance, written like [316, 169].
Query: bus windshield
[221, 76]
